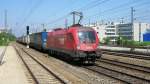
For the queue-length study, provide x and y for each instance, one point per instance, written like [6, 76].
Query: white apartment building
[111, 31]
[100, 29]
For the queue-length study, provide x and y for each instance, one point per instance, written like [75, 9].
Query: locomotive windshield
[87, 36]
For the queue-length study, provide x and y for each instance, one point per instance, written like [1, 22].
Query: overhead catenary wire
[92, 4]
[58, 19]
[63, 17]
[47, 23]
[125, 5]
[86, 7]
[96, 3]
[31, 11]
[99, 3]
[114, 8]
[82, 9]
[64, 8]
[145, 16]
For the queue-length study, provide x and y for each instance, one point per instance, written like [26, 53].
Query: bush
[131, 43]
[6, 38]
[144, 44]
[106, 40]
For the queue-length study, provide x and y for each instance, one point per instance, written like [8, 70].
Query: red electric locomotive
[77, 43]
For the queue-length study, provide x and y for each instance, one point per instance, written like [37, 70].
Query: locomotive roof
[56, 29]
[80, 28]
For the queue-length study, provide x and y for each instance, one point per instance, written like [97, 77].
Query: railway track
[124, 72]
[117, 74]
[88, 76]
[39, 72]
[126, 65]
[125, 54]
[136, 71]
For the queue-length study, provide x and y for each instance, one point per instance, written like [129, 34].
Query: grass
[142, 43]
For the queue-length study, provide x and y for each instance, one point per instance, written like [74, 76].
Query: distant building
[111, 32]
[134, 32]
[114, 30]
[5, 30]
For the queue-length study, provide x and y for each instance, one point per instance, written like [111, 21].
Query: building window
[125, 33]
[124, 29]
[110, 33]
[110, 30]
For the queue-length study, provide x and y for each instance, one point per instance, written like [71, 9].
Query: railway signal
[27, 38]
[27, 30]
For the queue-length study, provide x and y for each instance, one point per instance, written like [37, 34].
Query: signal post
[27, 39]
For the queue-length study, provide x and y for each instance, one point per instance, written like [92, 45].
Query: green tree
[119, 40]
[5, 38]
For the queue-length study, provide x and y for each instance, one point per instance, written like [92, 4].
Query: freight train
[76, 43]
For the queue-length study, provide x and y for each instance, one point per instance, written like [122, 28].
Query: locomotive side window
[87, 36]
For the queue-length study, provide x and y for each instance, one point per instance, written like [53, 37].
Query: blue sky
[37, 12]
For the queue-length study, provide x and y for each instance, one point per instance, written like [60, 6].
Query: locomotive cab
[87, 43]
